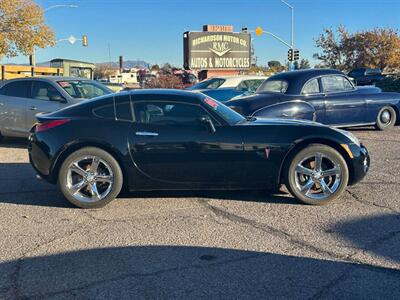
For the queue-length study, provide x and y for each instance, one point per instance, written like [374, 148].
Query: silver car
[21, 99]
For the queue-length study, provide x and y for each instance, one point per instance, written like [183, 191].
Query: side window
[168, 113]
[123, 109]
[252, 85]
[105, 111]
[20, 89]
[44, 91]
[335, 84]
[311, 87]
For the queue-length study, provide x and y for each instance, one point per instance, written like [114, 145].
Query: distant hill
[127, 64]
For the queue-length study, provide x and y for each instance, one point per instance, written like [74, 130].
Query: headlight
[350, 136]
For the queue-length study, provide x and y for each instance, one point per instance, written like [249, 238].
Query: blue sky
[151, 30]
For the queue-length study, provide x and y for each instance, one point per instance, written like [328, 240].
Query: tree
[165, 81]
[155, 68]
[275, 66]
[333, 53]
[377, 48]
[304, 64]
[103, 71]
[22, 28]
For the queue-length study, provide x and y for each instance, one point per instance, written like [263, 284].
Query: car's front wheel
[90, 178]
[386, 118]
[317, 175]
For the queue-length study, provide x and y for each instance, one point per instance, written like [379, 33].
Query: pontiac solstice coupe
[181, 140]
[322, 95]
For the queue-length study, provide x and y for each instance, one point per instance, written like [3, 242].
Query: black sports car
[169, 139]
[326, 96]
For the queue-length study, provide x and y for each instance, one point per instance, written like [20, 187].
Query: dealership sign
[217, 50]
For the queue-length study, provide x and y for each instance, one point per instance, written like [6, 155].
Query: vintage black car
[322, 95]
[169, 139]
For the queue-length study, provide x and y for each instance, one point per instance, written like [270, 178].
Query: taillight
[50, 124]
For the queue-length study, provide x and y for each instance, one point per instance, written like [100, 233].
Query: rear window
[84, 89]
[105, 111]
[274, 86]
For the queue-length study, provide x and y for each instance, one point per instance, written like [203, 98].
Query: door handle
[146, 133]
[33, 108]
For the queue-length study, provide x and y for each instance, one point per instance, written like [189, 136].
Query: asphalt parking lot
[245, 244]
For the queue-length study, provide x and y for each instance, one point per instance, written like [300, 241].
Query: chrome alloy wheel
[318, 177]
[89, 179]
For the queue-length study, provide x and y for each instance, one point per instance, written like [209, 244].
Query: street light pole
[292, 28]
[32, 58]
[60, 5]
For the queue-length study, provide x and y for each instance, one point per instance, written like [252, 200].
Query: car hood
[277, 121]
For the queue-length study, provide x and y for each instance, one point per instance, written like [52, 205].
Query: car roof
[47, 78]
[164, 92]
[239, 77]
[297, 79]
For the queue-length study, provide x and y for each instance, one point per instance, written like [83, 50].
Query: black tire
[386, 118]
[329, 155]
[111, 163]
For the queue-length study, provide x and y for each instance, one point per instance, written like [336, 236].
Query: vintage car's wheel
[90, 178]
[386, 118]
[317, 175]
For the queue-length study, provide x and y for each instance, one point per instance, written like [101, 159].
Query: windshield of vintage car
[84, 89]
[212, 83]
[229, 115]
[274, 86]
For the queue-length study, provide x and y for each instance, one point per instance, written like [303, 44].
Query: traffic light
[296, 54]
[290, 55]
[84, 41]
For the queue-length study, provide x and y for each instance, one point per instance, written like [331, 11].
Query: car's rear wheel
[90, 178]
[317, 175]
[386, 118]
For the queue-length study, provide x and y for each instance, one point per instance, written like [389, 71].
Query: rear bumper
[360, 163]
[39, 158]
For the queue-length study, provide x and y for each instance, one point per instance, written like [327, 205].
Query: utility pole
[32, 57]
[292, 30]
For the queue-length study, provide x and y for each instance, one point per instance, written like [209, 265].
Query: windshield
[212, 83]
[229, 115]
[84, 89]
[274, 86]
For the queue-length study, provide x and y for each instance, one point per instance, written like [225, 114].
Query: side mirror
[206, 120]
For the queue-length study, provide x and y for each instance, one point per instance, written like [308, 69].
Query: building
[74, 68]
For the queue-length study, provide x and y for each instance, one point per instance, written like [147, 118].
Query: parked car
[171, 139]
[244, 82]
[115, 87]
[21, 99]
[365, 76]
[322, 95]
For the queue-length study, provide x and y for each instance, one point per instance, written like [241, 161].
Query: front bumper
[359, 164]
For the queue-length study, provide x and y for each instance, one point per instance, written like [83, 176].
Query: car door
[343, 104]
[13, 98]
[44, 98]
[312, 94]
[169, 144]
